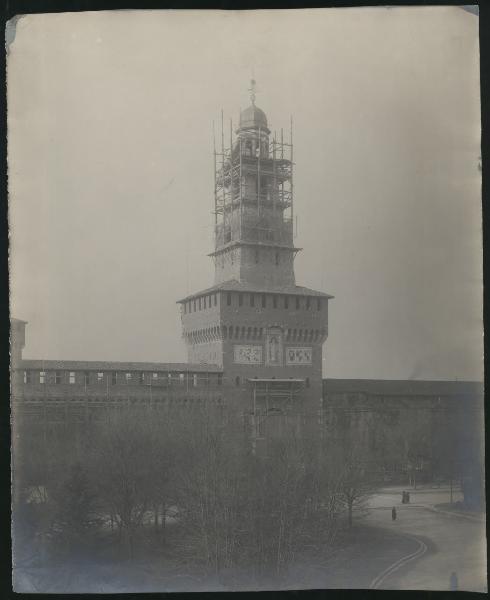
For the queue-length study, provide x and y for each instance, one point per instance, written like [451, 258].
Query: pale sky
[111, 184]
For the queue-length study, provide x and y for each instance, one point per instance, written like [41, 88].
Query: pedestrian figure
[393, 514]
[453, 582]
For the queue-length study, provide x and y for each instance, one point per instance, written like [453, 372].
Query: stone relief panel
[247, 355]
[298, 356]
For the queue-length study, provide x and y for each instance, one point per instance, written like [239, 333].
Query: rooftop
[236, 286]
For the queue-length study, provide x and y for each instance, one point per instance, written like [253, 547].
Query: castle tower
[255, 322]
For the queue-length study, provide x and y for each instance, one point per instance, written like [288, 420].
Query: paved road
[446, 543]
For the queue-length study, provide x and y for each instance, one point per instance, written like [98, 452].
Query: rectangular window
[240, 299]
[263, 300]
[27, 377]
[252, 300]
[129, 376]
[72, 377]
[297, 302]
[286, 302]
[100, 377]
[86, 378]
[57, 377]
[194, 379]
[228, 298]
[42, 377]
[114, 378]
[308, 303]
[155, 376]
[274, 301]
[142, 378]
[181, 378]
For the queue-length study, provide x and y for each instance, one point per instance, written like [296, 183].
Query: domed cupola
[253, 117]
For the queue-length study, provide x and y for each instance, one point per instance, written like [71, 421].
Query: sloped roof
[236, 286]
[402, 387]
[96, 365]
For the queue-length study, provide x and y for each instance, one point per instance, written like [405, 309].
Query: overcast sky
[111, 185]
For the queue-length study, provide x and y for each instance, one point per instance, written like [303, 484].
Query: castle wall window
[72, 377]
[274, 301]
[42, 376]
[228, 298]
[263, 300]
[114, 378]
[297, 302]
[100, 377]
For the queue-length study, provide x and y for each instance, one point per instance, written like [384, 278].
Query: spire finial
[252, 91]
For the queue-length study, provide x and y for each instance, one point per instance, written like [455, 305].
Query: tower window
[286, 302]
[252, 300]
[297, 302]
[240, 299]
[263, 300]
[228, 298]
[274, 301]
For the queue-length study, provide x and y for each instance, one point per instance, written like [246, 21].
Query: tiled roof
[393, 387]
[94, 365]
[236, 286]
